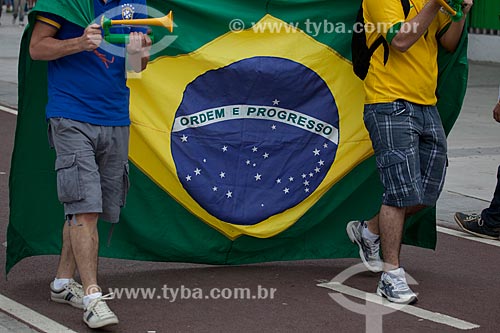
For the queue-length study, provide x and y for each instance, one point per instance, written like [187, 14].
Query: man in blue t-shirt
[88, 116]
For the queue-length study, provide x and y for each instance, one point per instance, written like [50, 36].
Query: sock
[60, 283]
[88, 298]
[367, 234]
[398, 272]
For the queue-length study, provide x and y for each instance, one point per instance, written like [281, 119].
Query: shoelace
[374, 249]
[474, 217]
[75, 288]
[399, 283]
[373, 246]
[101, 308]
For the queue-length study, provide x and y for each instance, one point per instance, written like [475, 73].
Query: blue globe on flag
[249, 141]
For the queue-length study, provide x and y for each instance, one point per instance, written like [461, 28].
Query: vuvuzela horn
[165, 21]
[447, 7]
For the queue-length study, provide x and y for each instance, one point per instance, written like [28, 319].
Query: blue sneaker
[393, 286]
[368, 250]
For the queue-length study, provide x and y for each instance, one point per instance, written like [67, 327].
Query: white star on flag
[317, 170]
[286, 190]
[278, 181]
[222, 174]
[257, 177]
[214, 188]
[266, 155]
[291, 179]
[197, 172]
[188, 178]
[254, 149]
[224, 149]
[229, 194]
[321, 162]
[184, 138]
[316, 152]
[276, 102]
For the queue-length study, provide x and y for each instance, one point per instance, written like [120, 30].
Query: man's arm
[451, 37]
[44, 46]
[138, 51]
[412, 30]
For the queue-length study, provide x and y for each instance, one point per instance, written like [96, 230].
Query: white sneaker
[368, 250]
[71, 293]
[98, 314]
[393, 286]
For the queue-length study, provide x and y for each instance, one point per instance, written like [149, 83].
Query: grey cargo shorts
[92, 167]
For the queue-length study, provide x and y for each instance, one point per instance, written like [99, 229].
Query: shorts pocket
[68, 179]
[393, 109]
[395, 174]
[126, 184]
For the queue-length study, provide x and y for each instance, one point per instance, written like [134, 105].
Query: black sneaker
[474, 225]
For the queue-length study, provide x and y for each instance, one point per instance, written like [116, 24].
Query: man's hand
[138, 50]
[91, 38]
[466, 6]
[496, 112]
[138, 42]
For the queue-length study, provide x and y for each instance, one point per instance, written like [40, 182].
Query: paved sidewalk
[8, 325]
[10, 37]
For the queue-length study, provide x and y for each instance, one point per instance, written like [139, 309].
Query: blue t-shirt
[91, 86]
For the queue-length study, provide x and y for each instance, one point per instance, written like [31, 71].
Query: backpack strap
[406, 7]
[380, 41]
[361, 53]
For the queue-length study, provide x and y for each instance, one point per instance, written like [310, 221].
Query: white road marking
[8, 110]
[409, 309]
[464, 235]
[28, 316]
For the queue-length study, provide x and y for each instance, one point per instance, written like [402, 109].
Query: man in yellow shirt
[405, 128]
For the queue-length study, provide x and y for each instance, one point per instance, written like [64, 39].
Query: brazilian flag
[247, 139]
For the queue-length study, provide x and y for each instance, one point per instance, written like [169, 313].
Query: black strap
[380, 41]
[406, 7]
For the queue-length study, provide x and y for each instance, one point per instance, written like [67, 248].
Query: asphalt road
[456, 283]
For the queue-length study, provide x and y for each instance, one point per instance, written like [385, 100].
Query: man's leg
[64, 289]
[22, 7]
[67, 264]
[15, 9]
[491, 215]
[373, 223]
[85, 245]
[390, 222]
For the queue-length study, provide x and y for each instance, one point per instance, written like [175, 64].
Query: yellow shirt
[412, 75]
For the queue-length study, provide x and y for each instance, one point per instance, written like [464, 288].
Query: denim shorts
[410, 149]
[92, 167]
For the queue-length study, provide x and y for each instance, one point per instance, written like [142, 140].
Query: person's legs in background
[491, 215]
[486, 224]
[18, 10]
